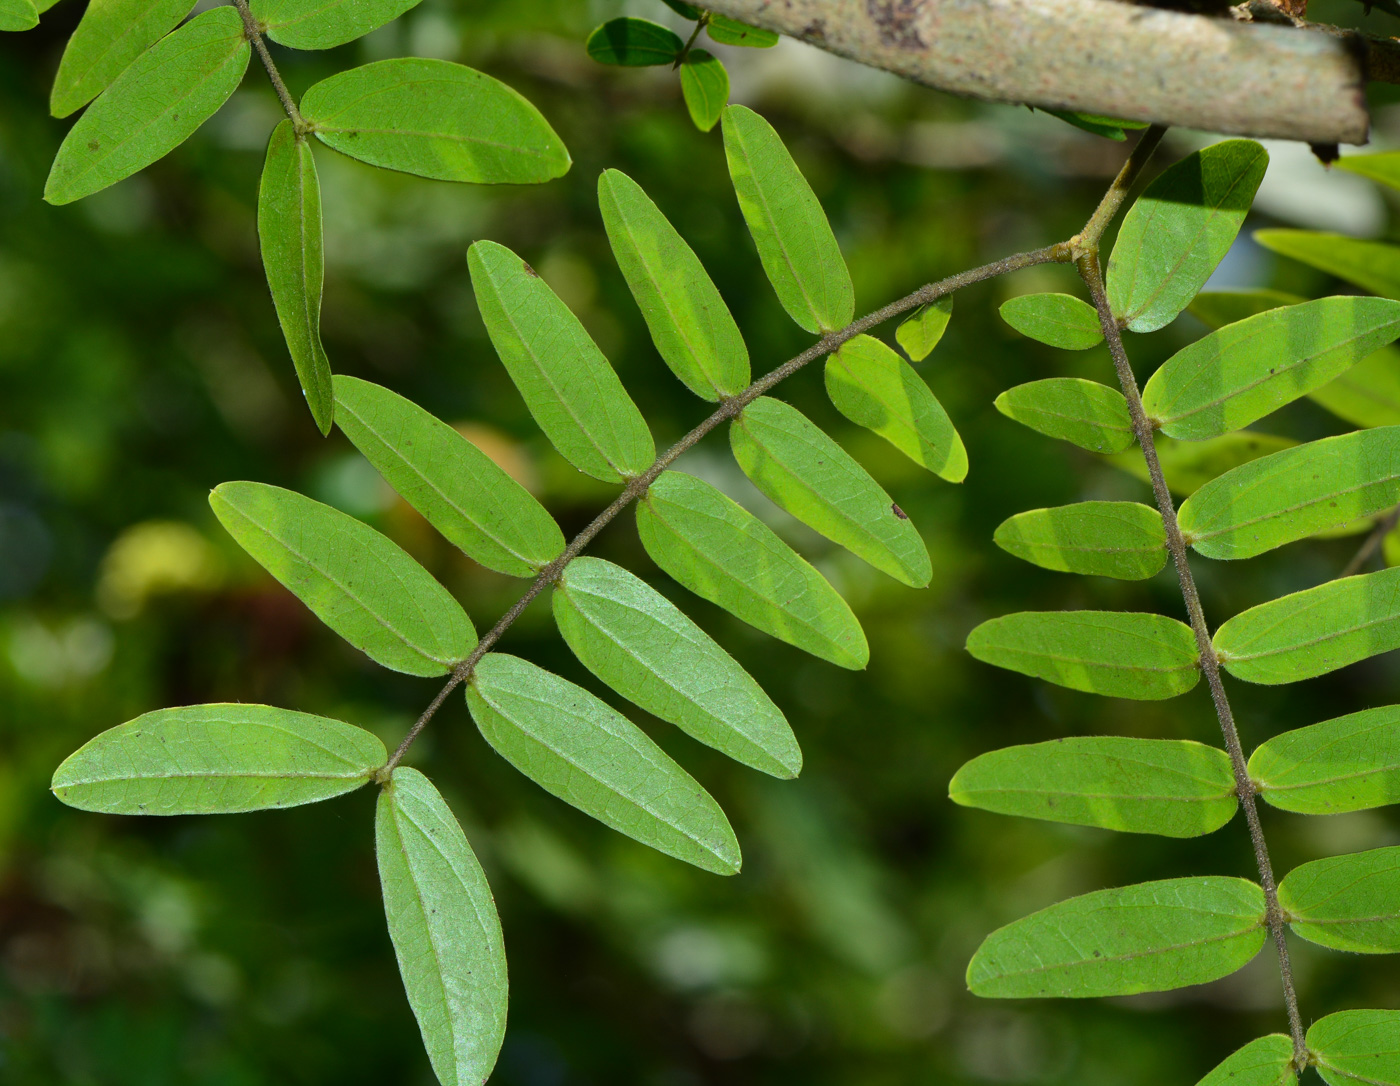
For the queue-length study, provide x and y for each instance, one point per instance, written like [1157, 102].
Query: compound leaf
[18, 15]
[1179, 229]
[795, 243]
[567, 384]
[920, 332]
[1061, 320]
[1371, 265]
[723, 553]
[1118, 654]
[110, 35]
[443, 924]
[1152, 937]
[460, 490]
[1368, 394]
[1217, 308]
[217, 759]
[152, 107]
[577, 748]
[804, 472]
[1189, 465]
[358, 582]
[634, 43]
[705, 87]
[1350, 763]
[1267, 1061]
[689, 322]
[1357, 1048]
[1346, 902]
[875, 388]
[324, 24]
[729, 31]
[1171, 787]
[1084, 413]
[435, 119]
[1112, 539]
[639, 643]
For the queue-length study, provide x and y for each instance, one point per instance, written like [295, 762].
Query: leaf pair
[1348, 1048]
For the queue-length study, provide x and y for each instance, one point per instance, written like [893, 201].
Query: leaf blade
[1267, 1061]
[1060, 320]
[1346, 902]
[1357, 1048]
[325, 24]
[1349, 763]
[705, 88]
[920, 332]
[633, 43]
[1371, 265]
[110, 35]
[1084, 413]
[1124, 540]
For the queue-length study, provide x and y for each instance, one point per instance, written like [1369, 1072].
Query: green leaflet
[1061, 320]
[723, 553]
[795, 243]
[729, 31]
[875, 388]
[567, 384]
[683, 9]
[289, 233]
[1085, 413]
[1179, 229]
[442, 920]
[324, 24]
[1171, 787]
[705, 87]
[1189, 465]
[1118, 654]
[1313, 632]
[359, 583]
[1217, 308]
[217, 759]
[1371, 265]
[110, 35]
[152, 107]
[639, 643]
[1383, 167]
[1111, 127]
[1112, 539]
[688, 320]
[458, 488]
[1293, 494]
[18, 15]
[1368, 394]
[1357, 1048]
[803, 471]
[435, 119]
[633, 43]
[1265, 1062]
[1248, 369]
[577, 748]
[1351, 763]
[1152, 937]
[1346, 902]
[920, 332]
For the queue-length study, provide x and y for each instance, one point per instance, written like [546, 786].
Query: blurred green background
[141, 364]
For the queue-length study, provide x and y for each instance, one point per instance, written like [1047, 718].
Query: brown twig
[253, 33]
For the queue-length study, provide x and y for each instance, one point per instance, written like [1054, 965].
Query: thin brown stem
[700, 25]
[253, 33]
[1088, 238]
[1368, 548]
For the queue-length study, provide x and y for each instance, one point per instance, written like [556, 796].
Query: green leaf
[1246, 370]
[875, 388]
[1112, 539]
[689, 322]
[1189, 465]
[1152, 937]
[1371, 265]
[1383, 167]
[217, 759]
[1179, 229]
[723, 553]
[1357, 1048]
[1217, 308]
[634, 43]
[804, 472]
[442, 921]
[1267, 1061]
[110, 35]
[577, 748]
[567, 384]
[639, 643]
[1118, 654]
[435, 119]
[795, 243]
[324, 24]
[457, 487]
[1315, 631]
[705, 87]
[1293, 494]
[1085, 413]
[729, 31]
[920, 332]
[1111, 127]
[1351, 763]
[18, 15]
[1061, 320]
[289, 232]
[152, 107]
[1171, 787]
[1346, 902]
[684, 10]
[1368, 394]
[359, 583]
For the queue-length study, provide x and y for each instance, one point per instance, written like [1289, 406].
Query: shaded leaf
[1351, 763]
[1371, 265]
[18, 15]
[324, 24]
[1111, 127]
[1383, 167]
[705, 87]
[1189, 465]
[1112, 539]
[920, 332]
[1368, 394]
[1357, 1048]
[1061, 320]
[110, 35]
[1346, 902]
[1217, 308]
[1084, 413]
[684, 10]
[729, 31]
[1265, 1062]
[634, 43]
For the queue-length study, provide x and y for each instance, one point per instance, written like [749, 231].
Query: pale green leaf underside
[578, 748]
[1112, 539]
[1383, 167]
[1189, 465]
[217, 759]
[1084, 413]
[152, 107]
[1347, 903]
[633, 43]
[729, 31]
[110, 35]
[1371, 265]
[18, 15]
[569, 387]
[443, 924]
[723, 553]
[1368, 394]
[1267, 1061]
[1171, 787]
[705, 88]
[459, 490]
[1152, 937]
[641, 645]
[358, 582]
[324, 24]
[920, 332]
[1061, 320]
[1357, 1048]
[1351, 763]
[1217, 308]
